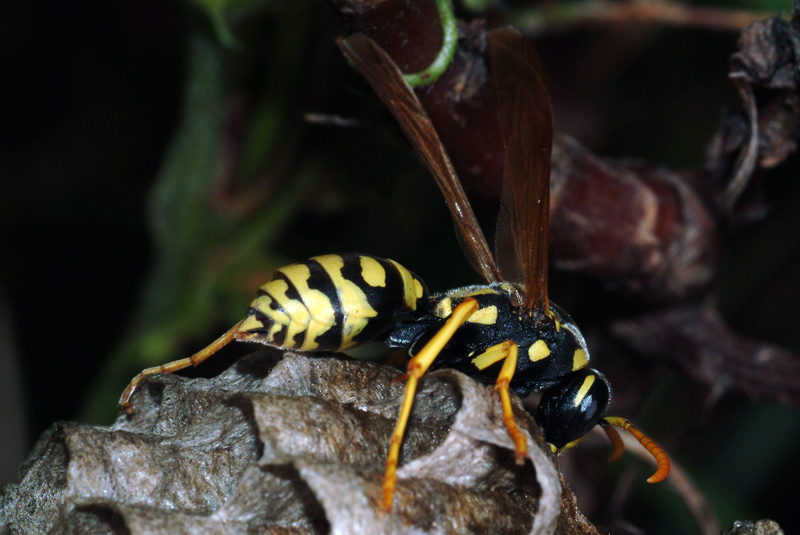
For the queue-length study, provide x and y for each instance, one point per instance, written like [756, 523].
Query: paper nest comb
[292, 445]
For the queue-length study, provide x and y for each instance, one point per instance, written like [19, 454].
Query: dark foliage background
[151, 179]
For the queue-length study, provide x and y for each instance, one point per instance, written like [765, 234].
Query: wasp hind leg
[174, 366]
[416, 368]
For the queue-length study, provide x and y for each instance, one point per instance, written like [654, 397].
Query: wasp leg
[501, 386]
[661, 458]
[416, 368]
[174, 366]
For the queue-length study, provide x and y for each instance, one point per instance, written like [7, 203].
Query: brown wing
[527, 121]
[387, 81]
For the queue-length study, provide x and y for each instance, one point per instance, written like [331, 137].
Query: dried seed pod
[637, 226]
[640, 227]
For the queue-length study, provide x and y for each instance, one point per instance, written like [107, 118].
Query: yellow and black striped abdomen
[331, 303]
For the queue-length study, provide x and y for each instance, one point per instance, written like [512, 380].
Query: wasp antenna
[616, 442]
[659, 454]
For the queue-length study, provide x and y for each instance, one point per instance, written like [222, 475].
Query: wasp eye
[570, 408]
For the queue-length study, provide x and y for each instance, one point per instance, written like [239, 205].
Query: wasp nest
[292, 445]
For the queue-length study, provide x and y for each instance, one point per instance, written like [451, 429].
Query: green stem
[449, 41]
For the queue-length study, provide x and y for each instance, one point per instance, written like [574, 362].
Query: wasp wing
[527, 123]
[386, 79]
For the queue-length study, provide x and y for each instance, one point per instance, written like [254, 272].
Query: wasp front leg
[416, 368]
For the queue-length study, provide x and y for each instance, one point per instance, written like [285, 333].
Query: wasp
[505, 331]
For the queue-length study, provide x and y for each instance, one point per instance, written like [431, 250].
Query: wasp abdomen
[331, 303]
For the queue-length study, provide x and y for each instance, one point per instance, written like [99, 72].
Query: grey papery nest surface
[292, 445]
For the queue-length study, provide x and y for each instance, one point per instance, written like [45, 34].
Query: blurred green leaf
[205, 246]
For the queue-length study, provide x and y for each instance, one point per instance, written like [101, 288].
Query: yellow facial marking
[357, 310]
[484, 316]
[373, 272]
[490, 356]
[411, 286]
[579, 359]
[587, 384]
[538, 351]
[443, 308]
[567, 446]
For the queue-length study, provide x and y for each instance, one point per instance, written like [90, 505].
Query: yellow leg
[174, 366]
[501, 386]
[661, 458]
[416, 368]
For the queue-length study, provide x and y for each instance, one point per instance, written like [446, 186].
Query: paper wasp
[505, 332]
